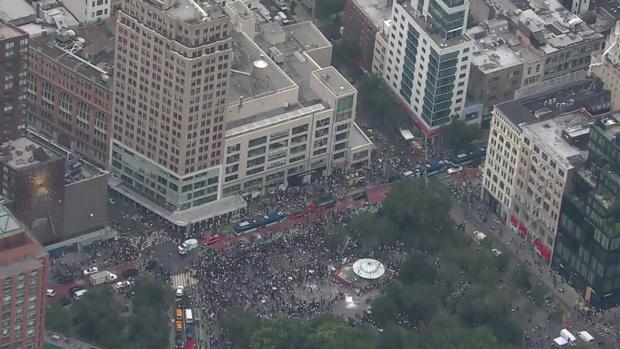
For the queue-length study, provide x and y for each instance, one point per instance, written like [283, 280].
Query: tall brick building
[23, 276]
[362, 20]
[13, 58]
[70, 89]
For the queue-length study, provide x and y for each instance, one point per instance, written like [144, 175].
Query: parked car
[496, 252]
[212, 239]
[179, 291]
[89, 271]
[50, 292]
[121, 284]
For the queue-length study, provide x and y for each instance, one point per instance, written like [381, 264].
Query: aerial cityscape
[310, 174]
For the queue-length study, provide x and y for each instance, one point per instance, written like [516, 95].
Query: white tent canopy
[367, 268]
[407, 135]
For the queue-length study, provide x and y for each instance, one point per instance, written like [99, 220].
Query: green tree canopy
[97, 315]
[379, 99]
[59, 319]
[458, 134]
[327, 8]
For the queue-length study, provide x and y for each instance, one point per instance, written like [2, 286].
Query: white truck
[187, 246]
[102, 277]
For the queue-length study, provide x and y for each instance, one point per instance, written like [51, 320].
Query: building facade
[606, 66]
[70, 90]
[89, 11]
[24, 268]
[13, 71]
[45, 186]
[533, 150]
[428, 60]
[169, 128]
[274, 113]
[587, 252]
[379, 56]
[362, 20]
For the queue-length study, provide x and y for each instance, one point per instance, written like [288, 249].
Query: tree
[150, 293]
[458, 134]
[293, 6]
[521, 277]
[241, 324]
[97, 315]
[327, 8]
[345, 52]
[335, 237]
[280, 334]
[379, 99]
[418, 269]
[501, 262]
[538, 294]
[58, 319]
[420, 212]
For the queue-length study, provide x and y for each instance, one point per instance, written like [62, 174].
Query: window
[257, 141]
[300, 129]
[343, 108]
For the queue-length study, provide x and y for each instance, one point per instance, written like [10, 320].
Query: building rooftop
[555, 136]
[87, 51]
[194, 10]
[8, 223]
[14, 10]
[253, 73]
[296, 41]
[421, 21]
[337, 83]
[585, 93]
[24, 152]
[377, 10]
[8, 31]
[59, 17]
[610, 124]
[34, 149]
[494, 46]
[552, 27]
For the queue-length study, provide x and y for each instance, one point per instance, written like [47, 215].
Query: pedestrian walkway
[183, 279]
[607, 333]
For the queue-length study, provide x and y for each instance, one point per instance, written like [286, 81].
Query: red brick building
[70, 90]
[13, 65]
[362, 20]
[24, 268]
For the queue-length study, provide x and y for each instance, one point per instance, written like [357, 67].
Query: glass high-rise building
[587, 250]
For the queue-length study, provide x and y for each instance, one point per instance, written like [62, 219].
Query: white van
[585, 336]
[187, 246]
[78, 294]
[568, 336]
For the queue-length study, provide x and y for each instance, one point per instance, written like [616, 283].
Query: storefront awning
[522, 230]
[544, 250]
[513, 221]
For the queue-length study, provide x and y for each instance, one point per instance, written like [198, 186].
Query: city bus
[246, 227]
[189, 318]
[271, 219]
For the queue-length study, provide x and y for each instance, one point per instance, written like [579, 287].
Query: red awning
[522, 230]
[513, 221]
[545, 252]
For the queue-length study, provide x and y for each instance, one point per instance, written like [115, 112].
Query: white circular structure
[370, 269]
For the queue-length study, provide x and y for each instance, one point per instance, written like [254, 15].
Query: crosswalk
[600, 331]
[183, 279]
[446, 179]
[606, 333]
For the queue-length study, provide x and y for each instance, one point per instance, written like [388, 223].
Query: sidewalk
[569, 297]
[60, 341]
